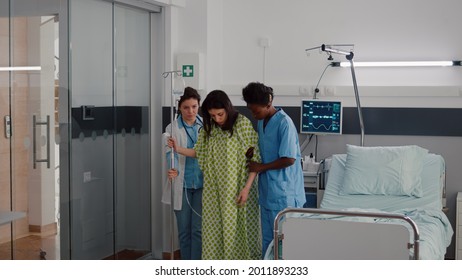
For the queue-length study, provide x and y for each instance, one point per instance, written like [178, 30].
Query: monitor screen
[321, 117]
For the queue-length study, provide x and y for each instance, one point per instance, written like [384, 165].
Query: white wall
[228, 33]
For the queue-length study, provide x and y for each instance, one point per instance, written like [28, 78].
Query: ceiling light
[399, 63]
[21, 68]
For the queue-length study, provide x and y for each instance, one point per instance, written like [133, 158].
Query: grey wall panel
[382, 121]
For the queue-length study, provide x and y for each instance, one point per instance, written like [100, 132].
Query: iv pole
[172, 157]
[349, 56]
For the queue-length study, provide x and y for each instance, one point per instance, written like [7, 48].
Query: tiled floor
[32, 247]
[35, 247]
[127, 255]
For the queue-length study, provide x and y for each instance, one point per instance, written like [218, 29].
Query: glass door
[74, 168]
[6, 214]
[132, 85]
[29, 89]
[110, 193]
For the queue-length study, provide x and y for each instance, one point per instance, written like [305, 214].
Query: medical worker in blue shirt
[280, 183]
[188, 182]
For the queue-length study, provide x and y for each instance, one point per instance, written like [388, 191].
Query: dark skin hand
[277, 164]
[265, 112]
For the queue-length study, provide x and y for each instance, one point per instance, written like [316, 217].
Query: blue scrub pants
[190, 225]
[267, 224]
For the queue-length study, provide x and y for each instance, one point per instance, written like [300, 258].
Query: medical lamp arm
[349, 56]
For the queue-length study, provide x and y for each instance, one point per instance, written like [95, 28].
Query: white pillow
[384, 170]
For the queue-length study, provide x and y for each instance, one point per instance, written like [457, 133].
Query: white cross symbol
[188, 71]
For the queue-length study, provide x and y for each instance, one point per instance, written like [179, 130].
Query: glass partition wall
[30, 142]
[75, 144]
[132, 141]
[110, 86]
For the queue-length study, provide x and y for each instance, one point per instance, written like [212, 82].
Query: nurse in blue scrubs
[280, 183]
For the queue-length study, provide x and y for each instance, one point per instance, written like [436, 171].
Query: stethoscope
[201, 124]
[198, 121]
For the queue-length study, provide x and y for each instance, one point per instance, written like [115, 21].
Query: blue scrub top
[280, 188]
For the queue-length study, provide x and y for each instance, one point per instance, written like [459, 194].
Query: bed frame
[316, 239]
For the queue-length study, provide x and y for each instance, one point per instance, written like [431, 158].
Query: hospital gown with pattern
[228, 231]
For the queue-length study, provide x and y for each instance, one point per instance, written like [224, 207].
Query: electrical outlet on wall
[329, 91]
[304, 90]
[264, 42]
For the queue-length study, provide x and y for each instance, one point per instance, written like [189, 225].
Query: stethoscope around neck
[184, 126]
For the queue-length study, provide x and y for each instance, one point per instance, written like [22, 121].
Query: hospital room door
[29, 142]
[109, 206]
[75, 134]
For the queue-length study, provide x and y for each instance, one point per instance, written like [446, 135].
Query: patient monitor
[321, 117]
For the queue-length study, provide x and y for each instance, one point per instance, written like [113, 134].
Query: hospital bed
[378, 203]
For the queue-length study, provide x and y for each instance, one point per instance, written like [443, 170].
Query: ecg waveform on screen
[322, 107]
[326, 128]
[321, 117]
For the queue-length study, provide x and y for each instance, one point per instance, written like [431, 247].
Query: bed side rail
[277, 220]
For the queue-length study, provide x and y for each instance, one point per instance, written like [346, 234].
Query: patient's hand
[241, 199]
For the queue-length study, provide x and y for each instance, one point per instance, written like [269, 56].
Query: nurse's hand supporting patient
[255, 166]
[280, 163]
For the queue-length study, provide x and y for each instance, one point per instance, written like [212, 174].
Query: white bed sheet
[426, 211]
[434, 226]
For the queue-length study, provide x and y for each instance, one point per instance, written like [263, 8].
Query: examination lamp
[332, 49]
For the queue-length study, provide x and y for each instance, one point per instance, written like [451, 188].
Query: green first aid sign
[188, 71]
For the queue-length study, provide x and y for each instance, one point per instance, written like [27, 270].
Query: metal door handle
[7, 126]
[35, 124]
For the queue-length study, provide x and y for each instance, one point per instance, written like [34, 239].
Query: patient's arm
[244, 193]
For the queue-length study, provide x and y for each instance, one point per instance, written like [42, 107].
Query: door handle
[7, 126]
[34, 146]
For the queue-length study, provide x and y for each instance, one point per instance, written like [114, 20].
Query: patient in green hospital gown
[230, 213]
[230, 230]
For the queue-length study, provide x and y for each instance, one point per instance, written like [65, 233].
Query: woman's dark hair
[189, 93]
[218, 99]
[257, 93]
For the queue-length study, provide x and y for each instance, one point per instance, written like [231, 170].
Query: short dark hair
[257, 93]
[218, 99]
